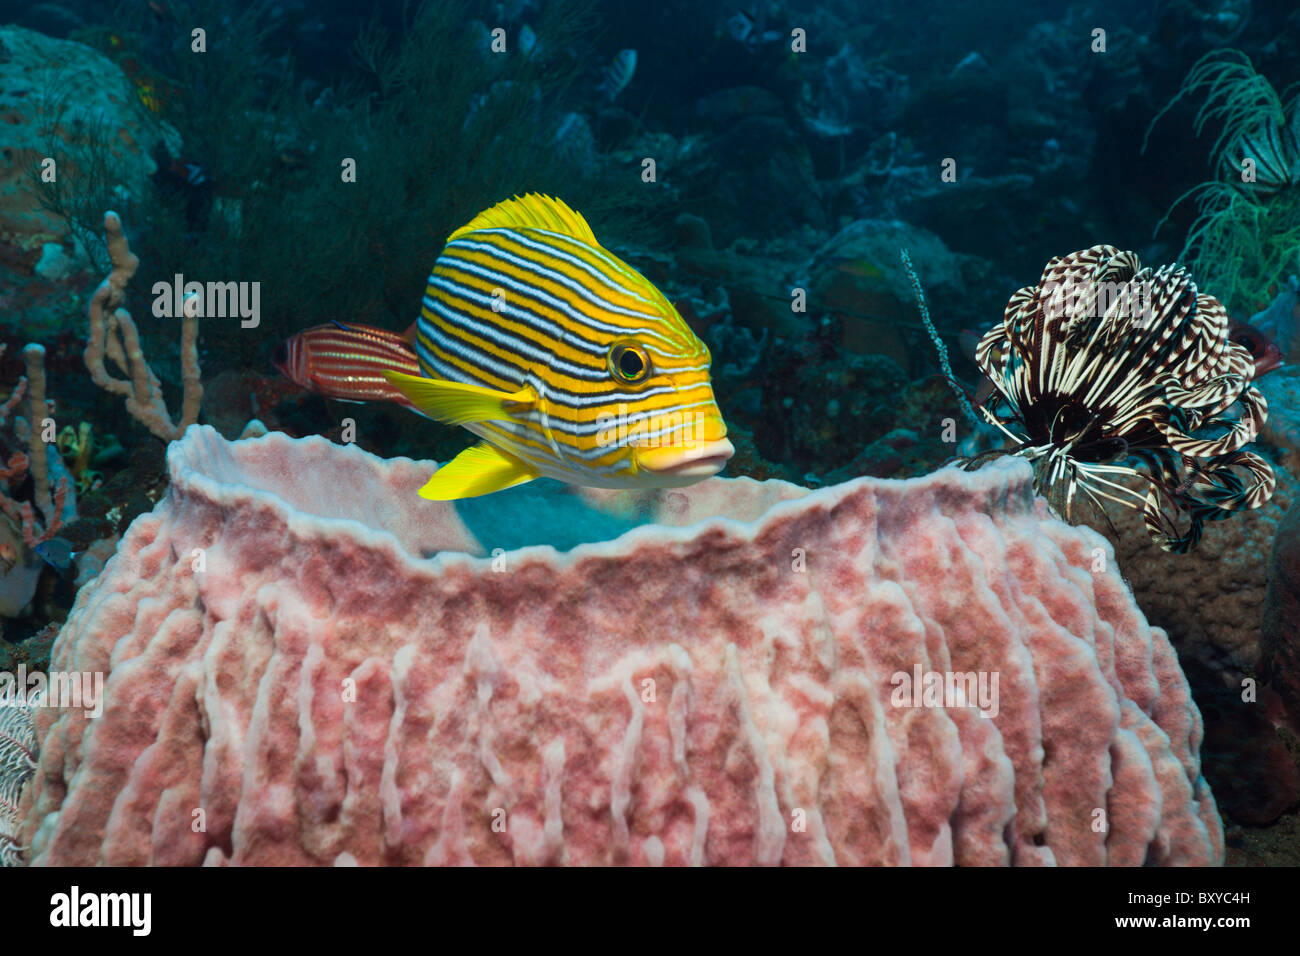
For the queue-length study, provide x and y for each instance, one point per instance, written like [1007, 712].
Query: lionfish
[1105, 362]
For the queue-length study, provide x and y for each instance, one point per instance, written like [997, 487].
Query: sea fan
[1254, 118]
[1104, 363]
[1274, 149]
[1245, 237]
[17, 764]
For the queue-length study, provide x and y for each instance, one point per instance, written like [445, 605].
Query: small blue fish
[746, 28]
[57, 553]
[527, 41]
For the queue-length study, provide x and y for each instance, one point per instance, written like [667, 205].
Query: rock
[820, 410]
[102, 111]
[724, 107]
[1280, 321]
[1245, 754]
[857, 276]
[1211, 600]
[1213, 604]
[1280, 643]
[692, 232]
[762, 181]
[1282, 429]
[756, 297]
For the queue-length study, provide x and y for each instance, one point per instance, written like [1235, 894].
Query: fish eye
[1247, 340]
[629, 363]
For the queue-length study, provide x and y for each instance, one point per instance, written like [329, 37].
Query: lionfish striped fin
[532, 211]
[478, 470]
[456, 403]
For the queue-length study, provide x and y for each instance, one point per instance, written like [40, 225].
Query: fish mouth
[703, 459]
[1269, 362]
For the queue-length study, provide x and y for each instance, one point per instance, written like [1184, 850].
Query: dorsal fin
[533, 211]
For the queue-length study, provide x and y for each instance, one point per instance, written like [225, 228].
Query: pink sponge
[290, 682]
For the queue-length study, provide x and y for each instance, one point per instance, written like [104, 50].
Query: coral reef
[292, 680]
[34, 470]
[113, 334]
[1244, 241]
[1280, 643]
[1212, 603]
[51, 108]
[51, 494]
[1282, 430]
[41, 522]
[421, 92]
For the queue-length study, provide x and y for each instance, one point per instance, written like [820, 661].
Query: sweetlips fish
[562, 358]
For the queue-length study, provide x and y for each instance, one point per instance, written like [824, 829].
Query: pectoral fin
[456, 403]
[479, 470]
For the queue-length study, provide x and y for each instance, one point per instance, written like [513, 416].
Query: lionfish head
[1107, 371]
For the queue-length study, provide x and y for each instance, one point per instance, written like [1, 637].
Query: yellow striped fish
[564, 359]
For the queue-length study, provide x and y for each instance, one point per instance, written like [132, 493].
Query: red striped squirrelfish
[562, 358]
[345, 362]
[1266, 355]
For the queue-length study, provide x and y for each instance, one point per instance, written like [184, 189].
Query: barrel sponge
[309, 664]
